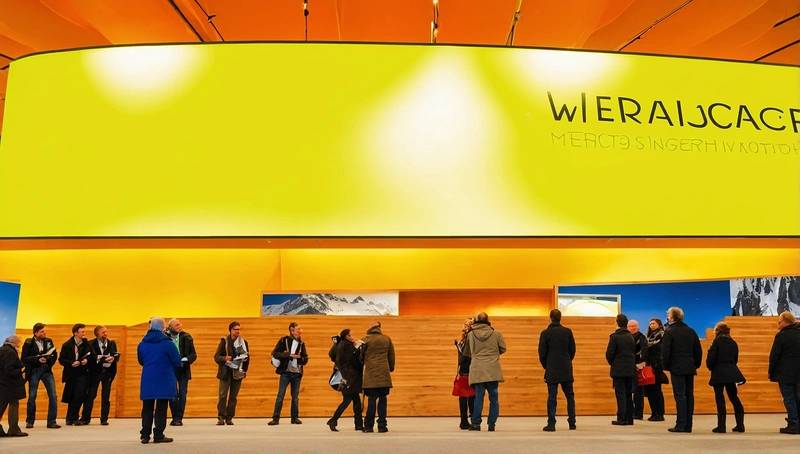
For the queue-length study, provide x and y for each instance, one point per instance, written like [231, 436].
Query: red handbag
[461, 387]
[645, 376]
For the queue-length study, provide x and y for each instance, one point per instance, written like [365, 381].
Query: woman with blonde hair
[461, 387]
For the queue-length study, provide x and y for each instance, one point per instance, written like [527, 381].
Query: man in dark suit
[682, 356]
[784, 368]
[185, 344]
[620, 354]
[102, 371]
[75, 357]
[556, 352]
[12, 386]
[39, 354]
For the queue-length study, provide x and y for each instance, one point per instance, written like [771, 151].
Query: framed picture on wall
[589, 305]
[376, 304]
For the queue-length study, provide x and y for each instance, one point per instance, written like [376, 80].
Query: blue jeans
[45, 377]
[494, 402]
[293, 379]
[791, 400]
[178, 406]
[683, 391]
[552, 400]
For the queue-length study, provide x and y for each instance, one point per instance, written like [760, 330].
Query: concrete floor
[412, 435]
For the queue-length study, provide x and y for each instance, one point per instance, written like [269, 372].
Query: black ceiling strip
[6, 56]
[657, 21]
[185, 20]
[777, 50]
[778, 24]
[210, 18]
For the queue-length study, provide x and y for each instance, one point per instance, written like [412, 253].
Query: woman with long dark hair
[461, 388]
[348, 362]
[722, 359]
[655, 332]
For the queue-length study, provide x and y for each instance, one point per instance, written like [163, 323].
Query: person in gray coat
[484, 345]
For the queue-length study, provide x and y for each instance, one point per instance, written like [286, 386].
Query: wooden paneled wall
[426, 365]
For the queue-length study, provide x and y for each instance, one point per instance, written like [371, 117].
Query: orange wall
[125, 286]
[533, 302]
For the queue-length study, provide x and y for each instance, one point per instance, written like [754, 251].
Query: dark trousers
[226, 403]
[154, 418]
[45, 377]
[623, 391]
[105, 397]
[490, 388]
[791, 400]
[719, 396]
[78, 397]
[683, 391]
[552, 402]
[287, 379]
[656, 399]
[465, 406]
[355, 398]
[13, 415]
[178, 406]
[638, 400]
[376, 397]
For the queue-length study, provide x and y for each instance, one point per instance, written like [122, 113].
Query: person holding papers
[233, 358]
[101, 371]
[75, 357]
[290, 352]
[39, 355]
[185, 344]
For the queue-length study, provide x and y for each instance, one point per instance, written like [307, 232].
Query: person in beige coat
[484, 345]
[378, 352]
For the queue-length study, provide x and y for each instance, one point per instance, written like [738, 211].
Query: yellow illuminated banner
[298, 139]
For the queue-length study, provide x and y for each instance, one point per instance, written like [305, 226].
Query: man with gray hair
[12, 386]
[159, 359]
[185, 344]
[682, 356]
[640, 354]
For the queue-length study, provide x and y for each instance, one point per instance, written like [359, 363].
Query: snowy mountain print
[330, 304]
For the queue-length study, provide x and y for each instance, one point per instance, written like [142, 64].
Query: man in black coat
[682, 356]
[102, 371]
[784, 368]
[290, 351]
[230, 371]
[185, 345]
[39, 354]
[641, 355]
[620, 355]
[75, 357]
[12, 386]
[556, 352]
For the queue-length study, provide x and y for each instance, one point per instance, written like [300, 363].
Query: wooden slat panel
[425, 366]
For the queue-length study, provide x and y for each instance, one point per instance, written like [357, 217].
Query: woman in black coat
[12, 386]
[465, 404]
[348, 362]
[655, 332]
[725, 376]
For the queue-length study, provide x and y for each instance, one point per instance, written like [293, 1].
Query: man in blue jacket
[159, 358]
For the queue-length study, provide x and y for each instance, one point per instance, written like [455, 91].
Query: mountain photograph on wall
[377, 304]
[768, 296]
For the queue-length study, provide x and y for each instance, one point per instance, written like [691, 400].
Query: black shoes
[296, 421]
[145, 440]
[549, 428]
[474, 428]
[368, 430]
[29, 425]
[81, 423]
[332, 424]
[162, 440]
[274, 422]
[491, 428]
[383, 430]
[463, 425]
[718, 430]
[103, 423]
[220, 422]
[790, 430]
[739, 429]
[176, 423]
[622, 423]
[679, 430]
[53, 425]
[655, 418]
[572, 426]
[228, 422]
